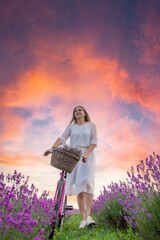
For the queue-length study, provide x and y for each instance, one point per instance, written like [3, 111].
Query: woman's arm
[89, 150]
[57, 143]
[61, 140]
[93, 142]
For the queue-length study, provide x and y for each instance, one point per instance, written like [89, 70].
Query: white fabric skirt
[82, 178]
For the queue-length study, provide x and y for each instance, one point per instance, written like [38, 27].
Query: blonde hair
[86, 118]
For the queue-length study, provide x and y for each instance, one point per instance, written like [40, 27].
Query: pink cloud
[17, 160]
[76, 76]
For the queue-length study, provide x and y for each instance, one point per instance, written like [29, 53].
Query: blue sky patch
[22, 112]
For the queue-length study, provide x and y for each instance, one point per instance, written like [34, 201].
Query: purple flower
[11, 195]
[41, 232]
[149, 216]
[145, 211]
[128, 174]
[24, 204]
[19, 213]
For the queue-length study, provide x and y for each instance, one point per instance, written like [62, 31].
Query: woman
[80, 182]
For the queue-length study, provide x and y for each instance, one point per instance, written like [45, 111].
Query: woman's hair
[86, 118]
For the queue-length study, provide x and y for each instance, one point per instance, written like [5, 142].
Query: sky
[57, 54]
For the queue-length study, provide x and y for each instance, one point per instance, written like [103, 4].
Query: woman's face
[79, 113]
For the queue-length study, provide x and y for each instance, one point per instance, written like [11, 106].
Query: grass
[70, 231]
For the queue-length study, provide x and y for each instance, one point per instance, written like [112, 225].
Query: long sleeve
[94, 138]
[65, 135]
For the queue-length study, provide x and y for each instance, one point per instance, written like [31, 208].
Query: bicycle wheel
[61, 219]
[56, 221]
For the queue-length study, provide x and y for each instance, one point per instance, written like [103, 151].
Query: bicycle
[60, 206]
[60, 199]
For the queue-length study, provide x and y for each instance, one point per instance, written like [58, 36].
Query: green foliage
[149, 218]
[71, 231]
[112, 215]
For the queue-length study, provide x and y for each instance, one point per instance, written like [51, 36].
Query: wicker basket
[63, 160]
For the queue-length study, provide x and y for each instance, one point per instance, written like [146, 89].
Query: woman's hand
[85, 157]
[48, 151]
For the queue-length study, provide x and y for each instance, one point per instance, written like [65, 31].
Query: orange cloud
[124, 144]
[12, 126]
[76, 76]
[33, 88]
[89, 80]
[87, 75]
[67, 67]
[23, 160]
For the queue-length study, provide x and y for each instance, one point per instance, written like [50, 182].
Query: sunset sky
[57, 54]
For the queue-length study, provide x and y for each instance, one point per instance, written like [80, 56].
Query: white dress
[82, 177]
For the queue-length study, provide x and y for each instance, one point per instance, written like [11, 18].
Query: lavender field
[23, 215]
[133, 204]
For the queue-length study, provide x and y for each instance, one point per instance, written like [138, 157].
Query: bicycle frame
[60, 203]
[59, 195]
